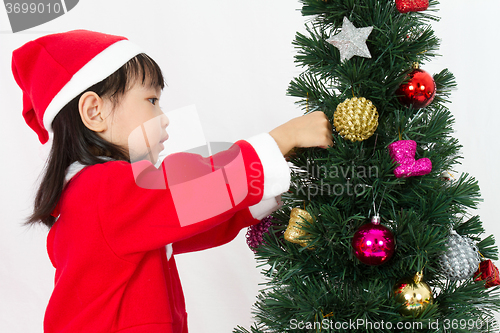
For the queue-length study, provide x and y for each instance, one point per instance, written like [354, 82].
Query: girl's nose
[164, 121]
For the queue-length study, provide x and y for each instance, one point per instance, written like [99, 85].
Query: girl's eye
[153, 100]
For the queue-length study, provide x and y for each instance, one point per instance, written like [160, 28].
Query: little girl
[115, 220]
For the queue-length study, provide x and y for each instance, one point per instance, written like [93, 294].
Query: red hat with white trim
[54, 69]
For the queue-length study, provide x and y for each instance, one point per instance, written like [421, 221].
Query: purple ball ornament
[373, 243]
[255, 233]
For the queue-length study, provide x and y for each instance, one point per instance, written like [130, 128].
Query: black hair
[74, 142]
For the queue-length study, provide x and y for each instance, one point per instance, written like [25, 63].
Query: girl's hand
[310, 130]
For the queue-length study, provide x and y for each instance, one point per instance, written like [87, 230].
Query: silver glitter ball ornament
[460, 259]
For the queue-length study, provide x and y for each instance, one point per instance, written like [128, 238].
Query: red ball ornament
[373, 243]
[418, 91]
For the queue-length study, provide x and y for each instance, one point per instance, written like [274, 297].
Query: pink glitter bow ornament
[403, 152]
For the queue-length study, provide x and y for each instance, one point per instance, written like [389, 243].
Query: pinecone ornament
[460, 259]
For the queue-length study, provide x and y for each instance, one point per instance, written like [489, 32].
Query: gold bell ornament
[413, 294]
[294, 233]
[356, 119]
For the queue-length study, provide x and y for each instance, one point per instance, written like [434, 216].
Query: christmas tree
[375, 234]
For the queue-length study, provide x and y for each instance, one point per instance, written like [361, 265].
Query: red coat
[108, 245]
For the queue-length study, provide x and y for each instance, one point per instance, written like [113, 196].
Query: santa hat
[54, 69]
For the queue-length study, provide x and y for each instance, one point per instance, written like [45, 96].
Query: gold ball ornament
[356, 119]
[294, 232]
[413, 294]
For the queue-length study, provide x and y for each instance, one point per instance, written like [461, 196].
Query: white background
[234, 60]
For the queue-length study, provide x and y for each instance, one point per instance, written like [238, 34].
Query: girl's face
[137, 123]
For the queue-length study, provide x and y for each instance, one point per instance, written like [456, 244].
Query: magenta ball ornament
[373, 244]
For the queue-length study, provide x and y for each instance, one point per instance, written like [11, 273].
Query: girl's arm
[310, 130]
[199, 194]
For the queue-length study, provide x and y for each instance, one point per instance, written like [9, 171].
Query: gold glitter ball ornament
[356, 119]
[294, 232]
[413, 294]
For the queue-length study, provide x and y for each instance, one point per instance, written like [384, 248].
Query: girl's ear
[91, 107]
